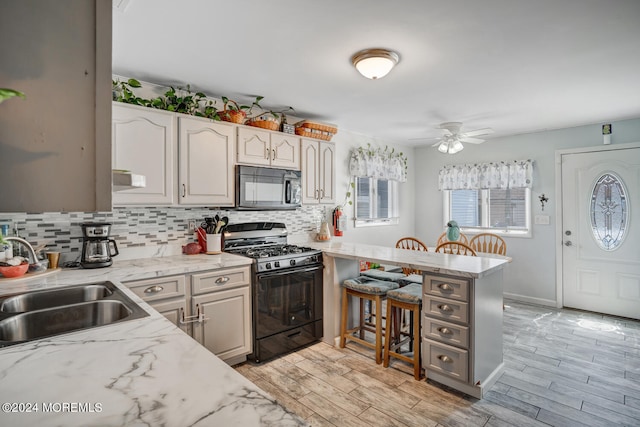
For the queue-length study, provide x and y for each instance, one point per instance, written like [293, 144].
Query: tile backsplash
[146, 231]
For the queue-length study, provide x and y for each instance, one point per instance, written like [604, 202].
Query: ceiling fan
[452, 139]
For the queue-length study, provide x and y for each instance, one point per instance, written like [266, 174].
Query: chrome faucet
[32, 252]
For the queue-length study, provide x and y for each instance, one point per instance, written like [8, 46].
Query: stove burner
[275, 250]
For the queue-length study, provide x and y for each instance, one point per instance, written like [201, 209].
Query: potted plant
[269, 119]
[186, 102]
[236, 113]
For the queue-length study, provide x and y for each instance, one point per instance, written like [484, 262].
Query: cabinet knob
[274, 153]
[222, 280]
[445, 331]
[153, 289]
[445, 287]
[184, 190]
[445, 359]
[444, 307]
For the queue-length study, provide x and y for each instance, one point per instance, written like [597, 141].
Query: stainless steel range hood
[125, 180]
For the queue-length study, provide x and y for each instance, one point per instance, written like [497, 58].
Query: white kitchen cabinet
[186, 160]
[167, 295]
[206, 158]
[262, 147]
[318, 172]
[215, 309]
[223, 298]
[144, 142]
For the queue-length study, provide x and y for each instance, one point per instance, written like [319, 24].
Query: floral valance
[376, 163]
[498, 175]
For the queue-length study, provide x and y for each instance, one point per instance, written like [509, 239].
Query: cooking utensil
[219, 226]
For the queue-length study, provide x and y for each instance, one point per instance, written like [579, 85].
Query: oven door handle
[291, 270]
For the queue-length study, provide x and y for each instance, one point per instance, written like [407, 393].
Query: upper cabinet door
[310, 179]
[327, 168]
[318, 172]
[254, 146]
[206, 162]
[144, 142]
[285, 151]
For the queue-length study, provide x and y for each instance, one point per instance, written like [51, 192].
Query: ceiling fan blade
[478, 132]
[472, 140]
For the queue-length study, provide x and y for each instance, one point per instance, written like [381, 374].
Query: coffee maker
[97, 247]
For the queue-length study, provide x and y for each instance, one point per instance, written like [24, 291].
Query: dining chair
[456, 248]
[443, 238]
[413, 244]
[489, 243]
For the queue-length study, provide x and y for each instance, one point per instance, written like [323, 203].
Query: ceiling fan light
[457, 146]
[443, 147]
[374, 63]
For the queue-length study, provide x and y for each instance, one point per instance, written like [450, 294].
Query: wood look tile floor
[562, 368]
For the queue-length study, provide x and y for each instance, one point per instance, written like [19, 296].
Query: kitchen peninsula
[138, 372]
[460, 293]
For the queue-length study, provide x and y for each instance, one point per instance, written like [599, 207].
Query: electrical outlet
[192, 226]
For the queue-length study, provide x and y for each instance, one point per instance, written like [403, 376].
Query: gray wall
[55, 144]
[531, 275]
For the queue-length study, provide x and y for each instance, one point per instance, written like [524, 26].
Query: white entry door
[601, 231]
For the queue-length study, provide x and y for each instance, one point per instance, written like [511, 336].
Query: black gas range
[286, 287]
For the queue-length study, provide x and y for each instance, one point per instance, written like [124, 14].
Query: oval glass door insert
[609, 211]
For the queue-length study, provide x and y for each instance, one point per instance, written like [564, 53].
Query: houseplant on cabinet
[269, 119]
[236, 113]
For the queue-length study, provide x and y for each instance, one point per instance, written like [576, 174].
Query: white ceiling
[516, 66]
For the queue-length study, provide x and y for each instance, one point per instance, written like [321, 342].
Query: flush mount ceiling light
[374, 63]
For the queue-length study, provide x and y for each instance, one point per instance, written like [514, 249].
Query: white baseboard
[531, 300]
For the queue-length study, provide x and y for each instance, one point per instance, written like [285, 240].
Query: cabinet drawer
[220, 279]
[159, 288]
[447, 287]
[445, 359]
[446, 309]
[446, 332]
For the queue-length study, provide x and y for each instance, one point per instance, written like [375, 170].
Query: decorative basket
[232, 116]
[314, 133]
[265, 122]
[324, 127]
[323, 131]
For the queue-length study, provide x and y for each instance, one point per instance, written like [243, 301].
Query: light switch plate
[542, 219]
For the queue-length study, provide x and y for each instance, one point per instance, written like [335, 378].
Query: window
[376, 202]
[495, 210]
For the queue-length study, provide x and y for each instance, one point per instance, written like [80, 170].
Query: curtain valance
[380, 164]
[498, 175]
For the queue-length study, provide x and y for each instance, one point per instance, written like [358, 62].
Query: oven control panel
[288, 262]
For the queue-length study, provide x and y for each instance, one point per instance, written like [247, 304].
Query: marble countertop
[458, 265]
[138, 372]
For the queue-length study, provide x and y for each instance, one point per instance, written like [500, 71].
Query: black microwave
[260, 188]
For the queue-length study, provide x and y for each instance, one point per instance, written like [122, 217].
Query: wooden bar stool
[366, 289]
[406, 298]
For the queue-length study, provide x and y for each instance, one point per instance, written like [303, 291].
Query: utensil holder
[214, 244]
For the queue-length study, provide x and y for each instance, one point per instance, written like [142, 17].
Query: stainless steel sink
[39, 314]
[54, 298]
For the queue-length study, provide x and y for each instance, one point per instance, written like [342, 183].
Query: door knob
[568, 243]
[568, 232]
